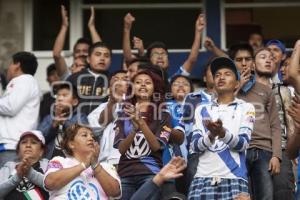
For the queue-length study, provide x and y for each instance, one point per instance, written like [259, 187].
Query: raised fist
[200, 23]
[128, 20]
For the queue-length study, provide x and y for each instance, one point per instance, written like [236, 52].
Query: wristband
[83, 165]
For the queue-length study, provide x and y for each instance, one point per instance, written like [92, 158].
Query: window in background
[175, 27]
[138, 1]
[272, 21]
[47, 23]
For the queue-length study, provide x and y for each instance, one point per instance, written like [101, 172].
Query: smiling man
[221, 135]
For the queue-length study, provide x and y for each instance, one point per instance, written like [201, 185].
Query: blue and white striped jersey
[224, 157]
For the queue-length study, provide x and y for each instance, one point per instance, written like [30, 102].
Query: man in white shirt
[19, 105]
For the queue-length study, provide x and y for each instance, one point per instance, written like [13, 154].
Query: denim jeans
[168, 188]
[261, 180]
[284, 182]
[131, 184]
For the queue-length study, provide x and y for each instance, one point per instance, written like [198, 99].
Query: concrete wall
[11, 30]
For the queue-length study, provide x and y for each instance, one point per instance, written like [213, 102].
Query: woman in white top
[79, 175]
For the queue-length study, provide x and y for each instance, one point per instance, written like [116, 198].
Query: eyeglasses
[156, 54]
[180, 83]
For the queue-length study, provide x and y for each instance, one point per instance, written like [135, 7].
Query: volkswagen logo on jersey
[139, 147]
[78, 190]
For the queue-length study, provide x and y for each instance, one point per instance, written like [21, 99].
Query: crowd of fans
[139, 133]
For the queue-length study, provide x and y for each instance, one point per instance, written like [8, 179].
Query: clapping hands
[24, 166]
[215, 128]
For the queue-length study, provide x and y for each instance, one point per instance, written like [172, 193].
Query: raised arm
[192, 59]
[139, 45]
[149, 135]
[210, 46]
[128, 20]
[244, 79]
[92, 28]
[140, 124]
[59, 60]
[125, 143]
[115, 97]
[106, 116]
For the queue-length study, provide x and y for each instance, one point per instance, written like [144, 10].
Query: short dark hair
[69, 135]
[155, 69]
[99, 44]
[174, 78]
[28, 62]
[261, 49]
[82, 41]
[50, 69]
[256, 33]
[65, 85]
[139, 59]
[240, 47]
[154, 45]
[116, 72]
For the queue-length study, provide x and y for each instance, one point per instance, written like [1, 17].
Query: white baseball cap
[36, 133]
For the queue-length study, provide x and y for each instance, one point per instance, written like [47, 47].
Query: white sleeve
[200, 141]
[18, 94]
[93, 117]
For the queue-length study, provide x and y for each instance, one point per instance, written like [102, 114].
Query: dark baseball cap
[223, 62]
[277, 43]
